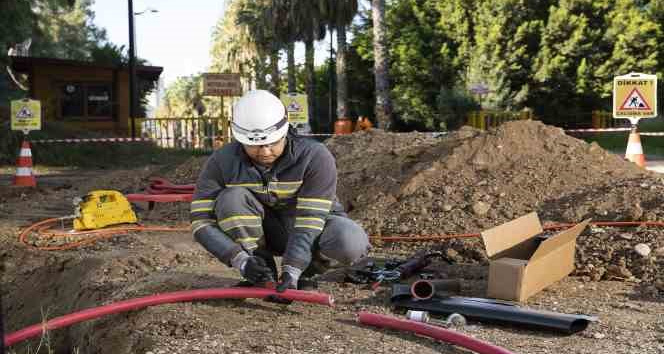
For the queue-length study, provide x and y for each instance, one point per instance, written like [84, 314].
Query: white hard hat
[259, 118]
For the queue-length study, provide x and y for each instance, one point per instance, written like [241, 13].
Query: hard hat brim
[269, 138]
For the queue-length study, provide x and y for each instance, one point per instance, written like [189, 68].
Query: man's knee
[235, 200]
[344, 241]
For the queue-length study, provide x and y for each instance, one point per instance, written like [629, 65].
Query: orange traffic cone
[24, 176]
[634, 150]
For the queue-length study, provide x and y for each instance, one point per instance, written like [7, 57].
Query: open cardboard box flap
[559, 240]
[502, 238]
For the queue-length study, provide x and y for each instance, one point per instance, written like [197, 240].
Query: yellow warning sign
[296, 107]
[26, 115]
[635, 96]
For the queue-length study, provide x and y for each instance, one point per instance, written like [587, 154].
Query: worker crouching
[270, 193]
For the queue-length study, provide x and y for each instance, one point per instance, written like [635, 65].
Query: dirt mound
[470, 180]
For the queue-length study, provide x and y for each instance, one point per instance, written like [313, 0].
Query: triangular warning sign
[24, 112]
[635, 101]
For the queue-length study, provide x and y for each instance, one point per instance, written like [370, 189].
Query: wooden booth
[82, 94]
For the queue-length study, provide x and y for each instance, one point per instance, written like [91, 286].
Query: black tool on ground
[489, 310]
[391, 271]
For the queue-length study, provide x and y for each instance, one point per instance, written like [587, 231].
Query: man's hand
[289, 278]
[256, 271]
[253, 268]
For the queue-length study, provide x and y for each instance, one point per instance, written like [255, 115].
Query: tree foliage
[557, 57]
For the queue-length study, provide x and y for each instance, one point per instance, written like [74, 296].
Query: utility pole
[132, 70]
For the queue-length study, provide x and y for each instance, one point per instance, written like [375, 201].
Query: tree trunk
[342, 87]
[383, 108]
[274, 72]
[290, 56]
[310, 69]
[260, 71]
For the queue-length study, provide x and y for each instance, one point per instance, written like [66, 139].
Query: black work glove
[289, 278]
[256, 271]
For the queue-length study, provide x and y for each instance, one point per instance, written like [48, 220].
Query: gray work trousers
[244, 219]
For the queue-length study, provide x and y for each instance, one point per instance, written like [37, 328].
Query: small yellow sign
[26, 115]
[635, 96]
[296, 107]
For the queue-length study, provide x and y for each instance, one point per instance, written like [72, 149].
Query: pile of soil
[470, 180]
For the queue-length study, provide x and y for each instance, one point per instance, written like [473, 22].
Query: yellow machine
[102, 208]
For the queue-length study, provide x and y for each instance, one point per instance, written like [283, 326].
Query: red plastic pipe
[445, 335]
[159, 198]
[158, 299]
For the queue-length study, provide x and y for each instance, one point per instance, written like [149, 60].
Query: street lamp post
[132, 70]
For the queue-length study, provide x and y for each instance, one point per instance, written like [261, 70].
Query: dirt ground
[393, 184]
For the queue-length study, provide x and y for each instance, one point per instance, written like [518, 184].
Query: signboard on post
[26, 115]
[215, 84]
[635, 96]
[296, 107]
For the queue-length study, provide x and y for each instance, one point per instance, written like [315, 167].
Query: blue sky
[177, 37]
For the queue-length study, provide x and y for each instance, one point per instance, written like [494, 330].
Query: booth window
[81, 101]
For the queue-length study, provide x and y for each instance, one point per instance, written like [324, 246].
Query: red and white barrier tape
[101, 140]
[597, 130]
[435, 134]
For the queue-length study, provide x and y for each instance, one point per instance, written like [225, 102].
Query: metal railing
[193, 133]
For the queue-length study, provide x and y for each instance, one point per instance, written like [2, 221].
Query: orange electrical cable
[42, 228]
[417, 238]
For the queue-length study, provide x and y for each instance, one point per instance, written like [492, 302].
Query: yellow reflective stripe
[240, 217]
[248, 239]
[324, 201]
[202, 201]
[312, 208]
[198, 224]
[294, 182]
[241, 225]
[278, 191]
[311, 218]
[201, 209]
[310, 227]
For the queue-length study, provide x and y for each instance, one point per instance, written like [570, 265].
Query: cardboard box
[522, 263]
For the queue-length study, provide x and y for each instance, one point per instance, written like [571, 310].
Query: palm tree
[234, 50]
[383, 106]
[339, 14]
[260, 18]
[287, 30]
[309, 18]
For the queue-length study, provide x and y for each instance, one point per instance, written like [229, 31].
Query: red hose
[435, 332]
[158, 299]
